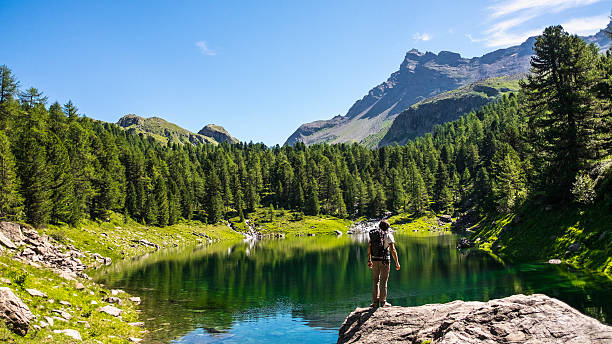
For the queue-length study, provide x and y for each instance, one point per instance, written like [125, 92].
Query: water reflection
[306, 287]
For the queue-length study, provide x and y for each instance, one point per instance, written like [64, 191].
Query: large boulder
[516, 319]
[16, 314]
[12, 231]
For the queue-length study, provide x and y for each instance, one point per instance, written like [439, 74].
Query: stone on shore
[114, 311]
[516, 319]
[16, 314]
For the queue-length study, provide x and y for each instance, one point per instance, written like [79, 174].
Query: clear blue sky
[258, 68]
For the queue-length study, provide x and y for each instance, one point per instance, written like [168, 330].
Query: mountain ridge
[420, 76]
[169, 133]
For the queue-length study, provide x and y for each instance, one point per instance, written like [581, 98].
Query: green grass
[418, 225]
[114, 238]
[102, 327]
[536, 234]
[285, 222]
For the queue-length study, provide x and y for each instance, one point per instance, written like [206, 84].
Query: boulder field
[532, 319]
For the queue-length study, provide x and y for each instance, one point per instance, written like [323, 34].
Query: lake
[301, 289]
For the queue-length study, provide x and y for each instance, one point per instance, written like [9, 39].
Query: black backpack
[377, 245]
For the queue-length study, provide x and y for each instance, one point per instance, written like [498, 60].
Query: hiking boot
[385, 304]
[374, 305]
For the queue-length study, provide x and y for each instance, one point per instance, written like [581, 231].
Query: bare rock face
[16, 314]
[12, 231]
[516, 319]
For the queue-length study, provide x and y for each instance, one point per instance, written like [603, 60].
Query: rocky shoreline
[534, 319]
[25, 245]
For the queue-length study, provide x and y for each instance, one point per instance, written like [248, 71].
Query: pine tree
[61, 182]
[8, 84]
[558, 93]
[214, 203]
[11, 202]
[508, 183]
[312, 198]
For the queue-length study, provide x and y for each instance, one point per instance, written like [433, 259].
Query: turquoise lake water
[300, 290]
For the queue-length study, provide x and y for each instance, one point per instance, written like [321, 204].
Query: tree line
[57, 166]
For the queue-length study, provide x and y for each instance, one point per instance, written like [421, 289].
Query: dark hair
[384, 225]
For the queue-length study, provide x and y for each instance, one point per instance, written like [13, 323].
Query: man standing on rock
[380, 246]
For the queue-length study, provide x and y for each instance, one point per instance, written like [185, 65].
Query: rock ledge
[516, 319]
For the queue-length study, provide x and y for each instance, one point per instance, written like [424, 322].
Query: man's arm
[394, 252]
[369, 257]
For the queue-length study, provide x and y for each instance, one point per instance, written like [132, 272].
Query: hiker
[379, 260]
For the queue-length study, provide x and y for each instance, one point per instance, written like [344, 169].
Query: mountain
[218, 133]
[166, 132]
[420, 76]
[421, 117]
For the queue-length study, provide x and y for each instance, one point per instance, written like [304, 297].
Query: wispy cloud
[422, 36]
[510, 20]
[512, 6]
[587, 25]
[204, 49]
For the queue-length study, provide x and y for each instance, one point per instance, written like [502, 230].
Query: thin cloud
[204, 49]
[422, 36]
[587, 25]
[541, 6]
[509, 20]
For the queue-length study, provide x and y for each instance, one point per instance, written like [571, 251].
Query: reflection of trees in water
[319, 280]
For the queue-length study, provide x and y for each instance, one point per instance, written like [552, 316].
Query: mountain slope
[218, 133]
[166, 132]
[420, 76]
[421, 117]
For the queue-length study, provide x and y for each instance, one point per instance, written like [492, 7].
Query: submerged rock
[516, 319]
[16, 313]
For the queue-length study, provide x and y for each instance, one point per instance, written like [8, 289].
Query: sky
[258, 68]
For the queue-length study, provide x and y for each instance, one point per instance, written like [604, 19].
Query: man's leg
[384, 276]
[375, 280]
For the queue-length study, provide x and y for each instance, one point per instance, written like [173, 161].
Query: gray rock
[516, 319]
[63, 314]
[5, 280]
[554, 261]
[116, 292]
[114, 311]
[16, 314]
[70, 333]
[36, 293]
[6, 241]
[135, 340]
[135, 299]
[12, 231]
[79, 286]
[137, 324]
[113, 299]
[338, 233]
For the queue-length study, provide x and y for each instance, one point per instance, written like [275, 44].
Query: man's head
[384, 225]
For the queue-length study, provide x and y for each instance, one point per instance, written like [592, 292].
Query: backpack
[377, 245]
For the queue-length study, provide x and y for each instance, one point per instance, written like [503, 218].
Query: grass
[418, 225]
[291, 223]
[537, 234]
[99, 326]
[114, 239]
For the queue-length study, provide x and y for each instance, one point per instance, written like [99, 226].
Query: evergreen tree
[11, 202]
[559, 98]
